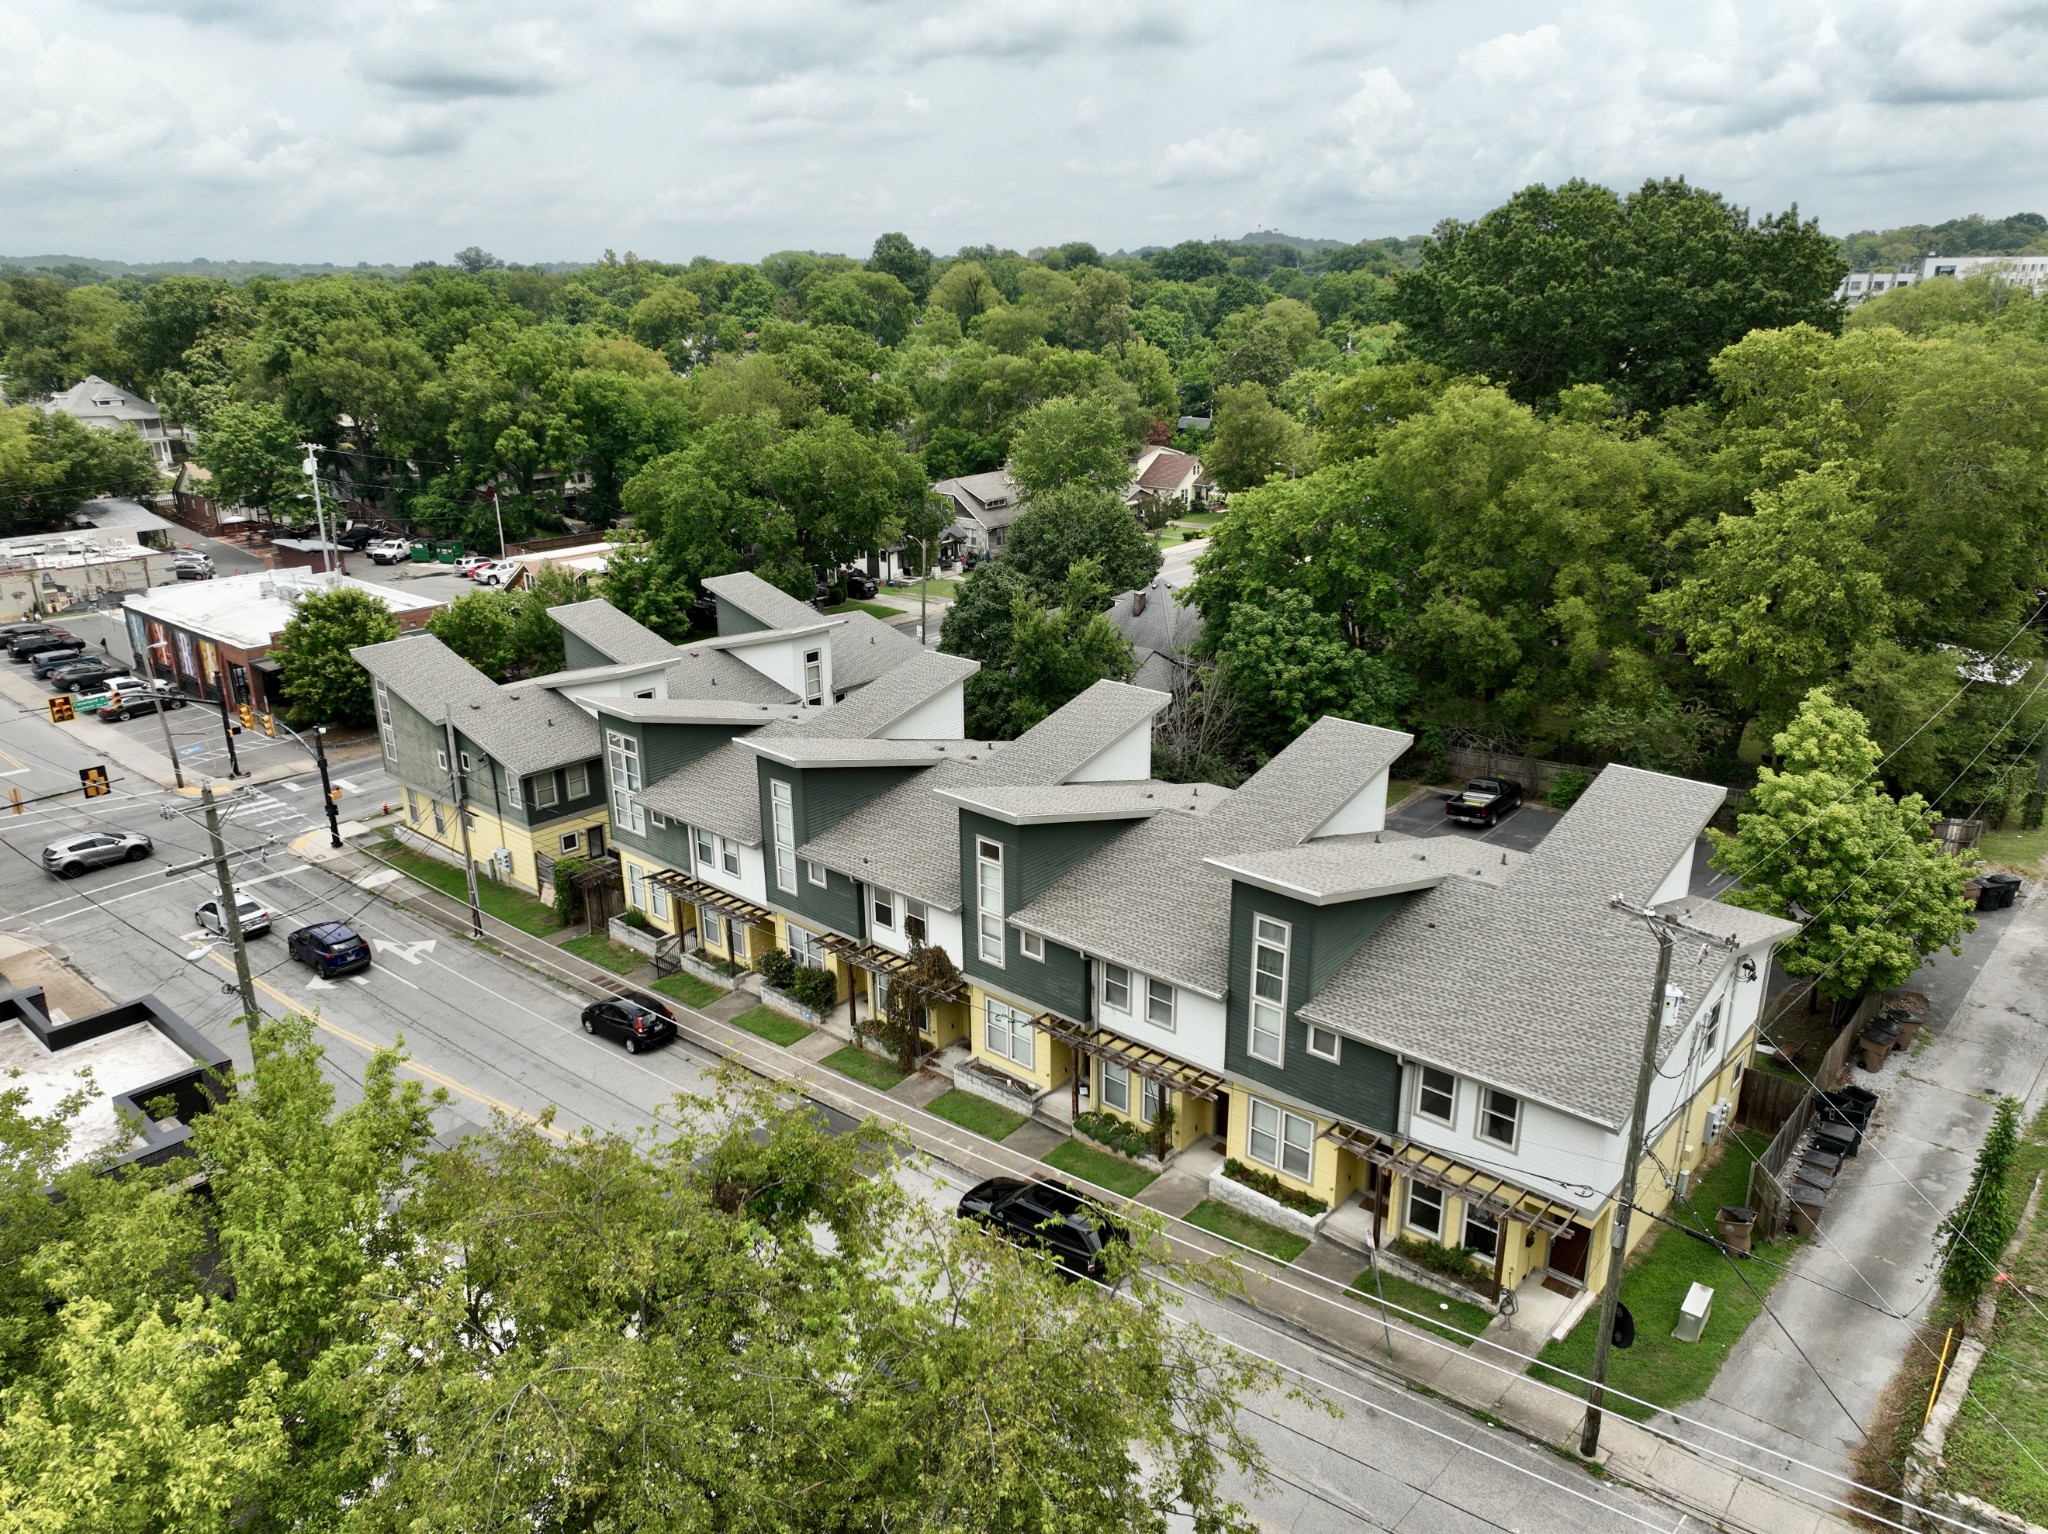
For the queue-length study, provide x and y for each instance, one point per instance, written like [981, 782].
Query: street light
[310, 467]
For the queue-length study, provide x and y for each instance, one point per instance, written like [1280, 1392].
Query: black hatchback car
[329, 948]
[638, 1021]
[1049, 1217]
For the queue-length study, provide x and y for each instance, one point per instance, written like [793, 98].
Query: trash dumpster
[1837, 1139]
[1847, 1105]
[1735, 1224]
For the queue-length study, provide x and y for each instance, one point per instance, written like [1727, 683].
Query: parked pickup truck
[1484, 801]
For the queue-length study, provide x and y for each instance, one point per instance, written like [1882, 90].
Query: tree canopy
[322, 682]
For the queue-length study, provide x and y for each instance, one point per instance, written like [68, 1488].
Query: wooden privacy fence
[1767, 1179]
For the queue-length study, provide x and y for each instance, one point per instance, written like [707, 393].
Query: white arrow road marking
[317, 984]
[410, 952]
[377, 880]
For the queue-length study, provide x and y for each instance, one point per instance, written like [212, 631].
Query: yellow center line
[369, 1046]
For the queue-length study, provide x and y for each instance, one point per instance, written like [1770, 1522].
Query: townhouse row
[1437, 1036]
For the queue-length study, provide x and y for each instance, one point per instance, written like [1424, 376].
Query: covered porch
[1105, 1062]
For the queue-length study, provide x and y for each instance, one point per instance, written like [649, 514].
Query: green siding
[579, 655]
[820, 798]
[1364, 1086]
[1048, 852]
[419, 738]
[732, 620]
[666, 748]
[667, 844]
[1058, 983]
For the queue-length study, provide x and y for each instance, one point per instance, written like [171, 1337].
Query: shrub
[1120, 1135]
[1451, 1261]
[817, 989]
[637, 920]
[778, 968]
[1273, 1188]
[568, 898]
[1190, 534]
[1566, 787]
[1978, 1228]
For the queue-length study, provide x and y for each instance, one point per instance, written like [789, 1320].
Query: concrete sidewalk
[1855, 1296]
[1485, 1378]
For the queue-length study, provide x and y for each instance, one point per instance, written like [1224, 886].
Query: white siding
[1678, 882]
[782, 660]
[1199, 1022]
[1550, 1144]
[940, 717]
[942, 930]
[1363, 813]
[1127, 758]
[616, 687]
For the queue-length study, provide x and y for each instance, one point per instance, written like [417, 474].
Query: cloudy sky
[397, 130]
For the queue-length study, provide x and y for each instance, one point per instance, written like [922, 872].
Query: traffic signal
[248, 715]
[94, 780]
[270, 725]
[61, 711]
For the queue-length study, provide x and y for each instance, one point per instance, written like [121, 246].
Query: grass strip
[1459, 1320]
[689, 990]
[976, 1113]
[596, 948]
[874, 608]
[776, 1027]
[869, 1070]
[1100, 1168]
[513, 907]
[1231, 1223]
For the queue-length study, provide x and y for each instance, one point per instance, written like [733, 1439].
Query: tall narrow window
[1499, 1117]
[622, 756]
[728, 854]
[1269, 989]
[512, 795]
[915, 919]
[782, 812]
[636, 887]
[387, 730]
[544, 795]
[1151, 1098]
[705, 854]
[884, 905]
[988, 899]
[1116, 1086]
[1116, 988]
[1158, 1003]
[814, 676]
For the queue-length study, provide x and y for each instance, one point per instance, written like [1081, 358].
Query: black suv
[640, 1022]
[1048, 1216]
[28, 646]
[329, 948]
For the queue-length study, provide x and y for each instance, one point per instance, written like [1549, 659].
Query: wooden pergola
[698, 893]
[1101, 1044]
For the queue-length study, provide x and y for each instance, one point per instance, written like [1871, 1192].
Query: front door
[1567, 1257]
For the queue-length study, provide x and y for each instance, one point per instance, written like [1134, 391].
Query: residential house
[96, 403]
[1165, 474]
[984, 506]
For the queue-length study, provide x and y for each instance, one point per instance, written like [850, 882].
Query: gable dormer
[798, 659]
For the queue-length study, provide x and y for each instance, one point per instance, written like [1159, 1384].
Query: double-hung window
[1425, 1210]
[706, 855]
[883, 904]
[1500, 1116]
[657, 899]
[1116, 988]
[1710, 1035]
[1436, 1095]
[412, 806]
[1482, 1232]
[622, 756]
[728, 854]
[807, 948]
[636, 887]
[1270, 940]
[814, 676]
[1116, 1086]
[1281, 1140]
[1159, 1004]
[1009, 1033]
[544, 795]
[512, 794]
[988, 899]
[387, 729]
[579, 781]
[782, 815]
[916, 920]
[1151, 1099]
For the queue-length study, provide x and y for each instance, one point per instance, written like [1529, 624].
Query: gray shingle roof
[906, 838]
[720, 789]
[701, 673]
[760, 601]
[1031, 803]
[752, 637]
[524, 726]
[1349, 867]
[1532, 982]
[920, 677]
[866, 649]
[839, 751]
[424, 672]
[577, 674]
[1067, 739]
[699, 710]
[610, 632]
[1318, 772]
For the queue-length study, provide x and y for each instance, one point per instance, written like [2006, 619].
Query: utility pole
[230, 912]
[924, 586]
[498, 512]
[311, 468]
[163, 716]
[1666, 930]
[455, 789]
[327, 789]
[227, 730]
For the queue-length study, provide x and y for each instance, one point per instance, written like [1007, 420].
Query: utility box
[1692, 1315]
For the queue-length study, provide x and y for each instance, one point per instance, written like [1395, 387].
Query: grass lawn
[2011, 1383]
[596, 948]
[1459, 1320]
[2021, 851]
[513, 907]
[976, 1113]
[1100, 1168]
[939, 586]
[875, 608]
[1221, 1219]
[776, 1027]
[1659, 1367]
[869, 1070]
[689, 990]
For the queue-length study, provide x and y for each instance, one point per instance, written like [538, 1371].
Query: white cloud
[1225, 154]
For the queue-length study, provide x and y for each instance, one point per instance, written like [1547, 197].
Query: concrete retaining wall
[1228, 1190]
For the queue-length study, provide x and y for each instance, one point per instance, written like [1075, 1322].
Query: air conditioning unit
[1717, 1119]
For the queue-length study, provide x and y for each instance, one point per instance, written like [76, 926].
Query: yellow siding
[1324, 1173]
[1193, 1117]
[1052, 1062]
[489, 832]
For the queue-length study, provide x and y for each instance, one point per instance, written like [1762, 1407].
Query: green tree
[911, 265]
[1976, 1232]
[322, 682]
[667, 320]
[1262, 357]
[537, 646]
[50, 463]
[1820, 832]
[1574, 284]
[966, 290]
[874, 303]
[167, 319]
[1056, 654]
[982, 620]
[1254, 439]
[640, 584]
[254, 456]
[478, 626]
[52, 335]
[1285, 665]
[1076, 522]
[1100, 316]
[1069, 442]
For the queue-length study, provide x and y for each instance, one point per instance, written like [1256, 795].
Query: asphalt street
[500, 1037]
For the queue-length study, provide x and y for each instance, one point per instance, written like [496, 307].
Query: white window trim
[545, 796]
[1278, 1136]
[1474, 1212]
[512, 795]
[1450, 1119]
[1486, 1094]
[579, 781]
[1423, 1191]
[572, 843]
[815, 872]
[1253, 1003]
[882, 907]
[1122, 1008]
[636, 887]
[1016, 1027]
[1031, 945]
[989, 924]
[782, 823]
[1335, 1053]
[1152, 989]
[387, 726]
[1119, 1077]
[729, 856]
